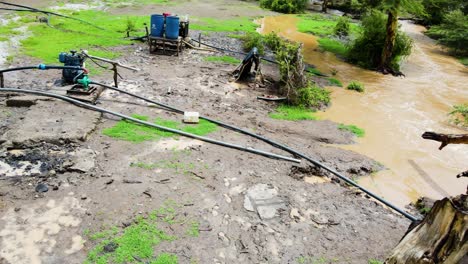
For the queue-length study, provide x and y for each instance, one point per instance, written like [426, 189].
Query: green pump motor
[71, 59]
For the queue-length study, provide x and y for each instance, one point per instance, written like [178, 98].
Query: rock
[263, 199]
[111, 247]
[41, 188]
[83, 160]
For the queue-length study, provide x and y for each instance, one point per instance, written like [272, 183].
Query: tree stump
[440, 238]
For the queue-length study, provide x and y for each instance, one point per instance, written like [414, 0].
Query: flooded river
[395, 111]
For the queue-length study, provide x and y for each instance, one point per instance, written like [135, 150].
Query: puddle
[395, 111]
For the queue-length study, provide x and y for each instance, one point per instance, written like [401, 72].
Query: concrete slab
[53, 122]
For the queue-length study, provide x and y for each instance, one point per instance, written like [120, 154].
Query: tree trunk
[392, 27]
[440, 238]
[446, 138]
[324, 5]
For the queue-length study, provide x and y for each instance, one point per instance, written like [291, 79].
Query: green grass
[193, 230]
[356, 86]
[359, 132]
[293, 113]
[134, 242]
[463, 61]
[374, 261]
[335, 82]
[320, 25]
[459, 114]
[314, 71]
[138, 242]
[225, 59]
[120, 3]
[333, 45]
[46, 42]
[241, 24]
[133, 132]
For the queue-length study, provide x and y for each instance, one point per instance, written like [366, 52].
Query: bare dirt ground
[250, 208]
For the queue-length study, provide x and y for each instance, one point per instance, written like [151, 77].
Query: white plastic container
[191, 117]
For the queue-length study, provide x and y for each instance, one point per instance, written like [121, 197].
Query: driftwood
[446, 139]
[440, 238]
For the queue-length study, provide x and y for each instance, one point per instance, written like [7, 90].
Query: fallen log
[446, 139]
[440, 238]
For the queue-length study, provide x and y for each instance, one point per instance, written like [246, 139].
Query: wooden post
[2, 84]
[114, 68]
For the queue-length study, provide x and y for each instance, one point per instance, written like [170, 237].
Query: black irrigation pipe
[233, 51]
[103, 110]
[32, 9]
[276, 144]
[43, 67]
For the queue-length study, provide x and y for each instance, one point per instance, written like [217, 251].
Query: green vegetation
[374, 261]
[194, 229]
[241, 24]
[312, 96]
[225, 59]
[366, 50]
[335, 82]
[314, 71]
[131, 131]
[66, 34]
[464, 60]
[293, 113]
[356, 86]
[251, 40]
[120, 3]
[459, 114]
[452, 32]
[342, 27]
[137, 242]
[285, 6]
[334, 33]
[359, 132]
[334, 46]
[437, 9]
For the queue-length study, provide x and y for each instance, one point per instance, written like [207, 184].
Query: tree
[393, 8]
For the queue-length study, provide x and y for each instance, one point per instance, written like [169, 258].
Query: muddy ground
[250, 208]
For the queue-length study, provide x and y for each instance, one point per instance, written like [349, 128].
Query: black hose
[233, 51]
[43, 67]
[276, 144]
[32, 9]
[102, 110]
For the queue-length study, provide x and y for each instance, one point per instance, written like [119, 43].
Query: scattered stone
[263, 199]
[132, 181]
[84, 197]
[41, 188]
[83, 160]
[110, 181]
[17, 209]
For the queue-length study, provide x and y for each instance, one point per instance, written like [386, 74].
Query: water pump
[71, 59]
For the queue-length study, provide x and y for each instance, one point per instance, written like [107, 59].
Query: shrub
[272, 41]
[251, 40]
[356, 86]
[335, 82]
[366, 50]
[359, 132]
[452, 32]
[312, 96]
[285, 6]
[342, 27]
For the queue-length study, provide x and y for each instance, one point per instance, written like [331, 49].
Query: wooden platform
[164, 45]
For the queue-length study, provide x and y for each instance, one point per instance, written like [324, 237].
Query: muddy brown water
[395, 111]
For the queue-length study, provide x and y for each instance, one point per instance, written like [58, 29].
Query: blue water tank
[172, 27]
[157, 25]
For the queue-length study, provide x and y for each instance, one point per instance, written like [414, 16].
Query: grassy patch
[120, 3]
[374, 261]
[333, 45]
[359, 132]
[459, 114]
[131, 131]
[194, 229]
[321, 25]
[293, 113]
[137, 242]
[356, 86]
[335, 82]
[225, 59]
[67, 34]
[241, 24]
[314, 71]
[463, 61]
[315, 260]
